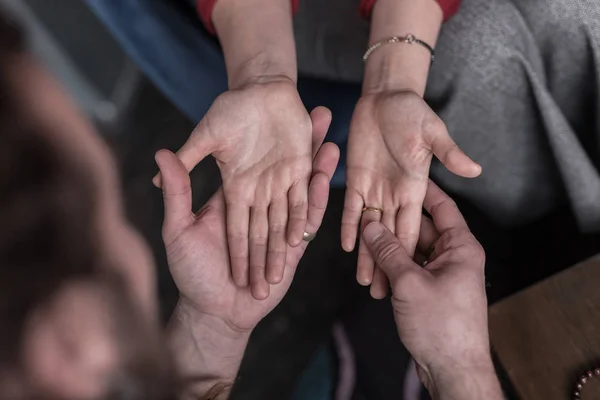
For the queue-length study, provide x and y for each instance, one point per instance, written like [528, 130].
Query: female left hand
[393, 137]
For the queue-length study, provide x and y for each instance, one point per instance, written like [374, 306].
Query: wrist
[214, 328]
[257, 40]
[397, 67]
[260, 69]
[207, 351]
[464, 380]
[401, 66]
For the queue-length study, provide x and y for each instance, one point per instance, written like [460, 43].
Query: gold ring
[308, 237]
[374, 209]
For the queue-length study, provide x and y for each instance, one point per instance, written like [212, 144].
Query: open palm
[197, 248]
[260, 136]
[393, 137]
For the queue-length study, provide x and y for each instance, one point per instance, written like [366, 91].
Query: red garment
[205, 8]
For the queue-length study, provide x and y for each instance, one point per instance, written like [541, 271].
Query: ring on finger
[372, 209]
[430, 255]
[308, 237]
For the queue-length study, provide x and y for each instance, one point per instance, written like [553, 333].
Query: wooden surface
[548, 334]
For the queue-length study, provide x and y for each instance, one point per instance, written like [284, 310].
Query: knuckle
[276, 251]
[385, 250]
[464, 245]
[276, 228]
[408, 236]
[259, 241]
[447, 202]
[478, 253]
[237, 238]
[298, 206]
[258, 267]
[455, 237]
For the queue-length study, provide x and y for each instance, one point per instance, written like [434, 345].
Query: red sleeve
[205, 9]
[449, 7]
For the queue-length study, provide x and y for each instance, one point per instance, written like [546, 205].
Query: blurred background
[137, 120]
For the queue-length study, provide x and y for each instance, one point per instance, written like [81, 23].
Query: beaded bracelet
[585, 378]
[409, 39]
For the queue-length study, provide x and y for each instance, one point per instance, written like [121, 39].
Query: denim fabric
[317, 381]
[172, 48]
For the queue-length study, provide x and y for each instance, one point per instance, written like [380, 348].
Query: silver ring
[308, 237]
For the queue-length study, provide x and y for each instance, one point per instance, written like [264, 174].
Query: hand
[440, 309]
[196, 245]
[260, 136]
[393, 136]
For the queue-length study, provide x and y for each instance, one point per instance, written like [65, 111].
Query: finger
[443, 209]
[324, 166]
[177, 193]
[195, 149]
[408, 223]
[298, 209]
[380, 285]
[427, 236]
[353, 205]
[326, 160]
[321, 120]
[238, 220]
[387, 250]
[366, 263]
[259, 231]
[318, 196]
[277, 241]
[448, 152]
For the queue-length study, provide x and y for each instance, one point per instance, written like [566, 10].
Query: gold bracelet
[410, 39]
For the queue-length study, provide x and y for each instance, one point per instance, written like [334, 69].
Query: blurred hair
[47, 238]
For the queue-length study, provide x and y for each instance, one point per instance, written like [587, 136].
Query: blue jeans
[186, 63]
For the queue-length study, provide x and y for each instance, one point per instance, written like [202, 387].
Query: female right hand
[260, 135]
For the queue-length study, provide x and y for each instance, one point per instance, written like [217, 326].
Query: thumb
[387, 251]
[195, 149]
[177, 193]
[453, 158]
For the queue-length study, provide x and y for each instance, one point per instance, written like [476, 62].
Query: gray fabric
[331, 39]
[517, 82]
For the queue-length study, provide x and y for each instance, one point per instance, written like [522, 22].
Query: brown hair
[47, 236]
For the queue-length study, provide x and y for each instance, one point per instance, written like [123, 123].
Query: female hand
[196, 244]
[393, 136]
[260, 136]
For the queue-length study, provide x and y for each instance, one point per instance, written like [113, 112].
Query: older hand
[440, 309]
[196, 244]
[260, 136]
[393, 137]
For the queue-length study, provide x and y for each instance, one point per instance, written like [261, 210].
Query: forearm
[257, 40]
[401, 66]
[459, 383]
[205, 351]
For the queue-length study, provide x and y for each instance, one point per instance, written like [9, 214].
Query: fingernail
[373, 231]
